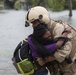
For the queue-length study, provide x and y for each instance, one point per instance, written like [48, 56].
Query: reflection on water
[64, 17]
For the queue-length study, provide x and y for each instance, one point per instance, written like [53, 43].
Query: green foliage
[17, 5]
[1, 5]
[56, 5]
[74, 4]
[36, 3]
[66, 6]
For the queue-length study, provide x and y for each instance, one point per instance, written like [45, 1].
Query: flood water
[63, 15]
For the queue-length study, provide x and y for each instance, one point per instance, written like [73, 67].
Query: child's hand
[41, 62]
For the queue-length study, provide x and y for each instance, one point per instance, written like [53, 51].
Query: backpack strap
[25, 40]
[19, 52]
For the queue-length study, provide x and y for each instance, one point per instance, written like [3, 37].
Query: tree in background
[70, 7]
[55, 5]
[9, 4]
[28, 4]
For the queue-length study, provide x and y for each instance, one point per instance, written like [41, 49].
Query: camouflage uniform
[68, 50]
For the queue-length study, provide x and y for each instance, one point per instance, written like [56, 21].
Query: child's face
[47, 35]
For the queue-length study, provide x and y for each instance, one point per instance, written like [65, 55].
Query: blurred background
[12, 25]
[55, 5]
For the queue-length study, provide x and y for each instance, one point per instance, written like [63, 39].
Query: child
[42, 44]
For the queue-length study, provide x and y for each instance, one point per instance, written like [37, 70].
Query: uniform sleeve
[64, 52]
[59, 28]
[60, 55]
